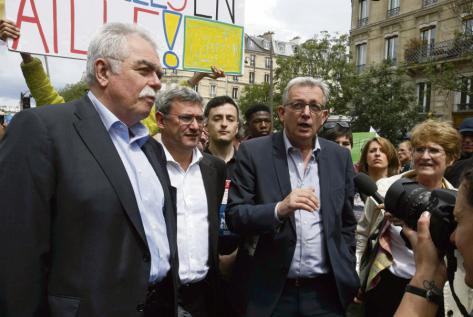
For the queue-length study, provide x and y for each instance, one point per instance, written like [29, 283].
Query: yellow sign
[2, 9]
[208, 43]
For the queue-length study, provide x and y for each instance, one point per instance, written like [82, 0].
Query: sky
[303, 18]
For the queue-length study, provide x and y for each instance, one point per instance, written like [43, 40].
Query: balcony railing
[362, 22]
[393, 12]
[427, 3]
[439, 51]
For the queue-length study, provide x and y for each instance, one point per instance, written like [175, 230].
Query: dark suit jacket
[214, 175]
[260, 181]
[71, 237]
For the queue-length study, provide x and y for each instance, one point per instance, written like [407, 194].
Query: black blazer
[260, 181]
[214, 175]
[71, 237]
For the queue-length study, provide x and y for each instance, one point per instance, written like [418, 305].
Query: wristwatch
[431, 295]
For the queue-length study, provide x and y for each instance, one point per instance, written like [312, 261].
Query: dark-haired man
[199, 180]
[258, 121]
[222, 122]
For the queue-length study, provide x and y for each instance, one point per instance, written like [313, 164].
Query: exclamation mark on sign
[171, 21]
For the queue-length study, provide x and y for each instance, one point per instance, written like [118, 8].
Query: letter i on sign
[171, 21]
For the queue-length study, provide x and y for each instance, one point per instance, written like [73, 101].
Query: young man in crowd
[199, 179]
[223, 123]
[258, 121]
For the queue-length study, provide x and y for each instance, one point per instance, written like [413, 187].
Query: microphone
[367, 187]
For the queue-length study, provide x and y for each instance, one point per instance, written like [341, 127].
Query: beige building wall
[407, 22]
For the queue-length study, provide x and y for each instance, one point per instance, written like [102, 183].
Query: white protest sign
[187, 32]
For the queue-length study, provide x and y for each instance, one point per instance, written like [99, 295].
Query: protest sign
[192, 35]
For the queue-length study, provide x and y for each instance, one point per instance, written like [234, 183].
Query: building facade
[260, 57]
[416, 33]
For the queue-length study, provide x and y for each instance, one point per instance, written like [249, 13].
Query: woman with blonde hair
[384, 278]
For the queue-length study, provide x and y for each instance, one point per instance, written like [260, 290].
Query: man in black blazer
[87, 223]
[199, 179]
[291, 200]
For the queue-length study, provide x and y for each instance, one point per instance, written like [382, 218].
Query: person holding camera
[431, 272]
[391, 263]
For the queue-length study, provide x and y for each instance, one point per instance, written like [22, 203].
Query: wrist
[430, 292]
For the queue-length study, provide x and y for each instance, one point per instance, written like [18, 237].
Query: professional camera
[407, 200]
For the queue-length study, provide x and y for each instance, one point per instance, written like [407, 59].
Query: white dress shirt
[192, 218]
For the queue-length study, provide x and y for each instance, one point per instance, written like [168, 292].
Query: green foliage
[323, 56]
[74, 91]
[385, 99]
[253, 94]
[447, 78]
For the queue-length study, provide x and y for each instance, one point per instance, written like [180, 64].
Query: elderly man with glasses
[291, 200]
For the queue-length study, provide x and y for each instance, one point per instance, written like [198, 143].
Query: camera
[406, 199]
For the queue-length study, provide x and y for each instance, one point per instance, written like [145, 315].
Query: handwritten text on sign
[64, 27]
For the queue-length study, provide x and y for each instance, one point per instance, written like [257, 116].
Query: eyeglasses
[299, 106]
[187, 119]
[432, 151]
[331, 125]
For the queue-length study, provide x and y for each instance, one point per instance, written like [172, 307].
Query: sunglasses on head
[331, 125]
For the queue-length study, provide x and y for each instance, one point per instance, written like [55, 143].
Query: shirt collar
[139, 133]
[196, 156]
[288, 145]
[207, 150]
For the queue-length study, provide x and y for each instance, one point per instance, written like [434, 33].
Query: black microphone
[367, 187]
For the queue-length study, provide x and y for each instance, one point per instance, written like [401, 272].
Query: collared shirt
[192, 218]
[146, 186]
[309, 258]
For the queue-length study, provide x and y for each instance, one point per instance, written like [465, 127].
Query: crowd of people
[138, 200]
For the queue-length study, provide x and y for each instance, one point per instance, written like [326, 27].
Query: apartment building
[415, 33]
[260, 55]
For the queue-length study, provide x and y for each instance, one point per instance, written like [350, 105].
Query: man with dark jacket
[199, 179]
[87, 223]
[291, 201]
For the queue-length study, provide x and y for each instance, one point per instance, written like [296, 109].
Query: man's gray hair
[110, 43]
[167, 96]
[306, 82]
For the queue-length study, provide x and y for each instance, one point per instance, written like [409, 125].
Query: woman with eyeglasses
[436, 146]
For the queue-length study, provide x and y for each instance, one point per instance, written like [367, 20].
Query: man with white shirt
[195, 175]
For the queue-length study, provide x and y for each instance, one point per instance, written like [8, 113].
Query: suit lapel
[209, 176]
[92, 131]
[281, 169]
[324, 182]
[155, 154]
